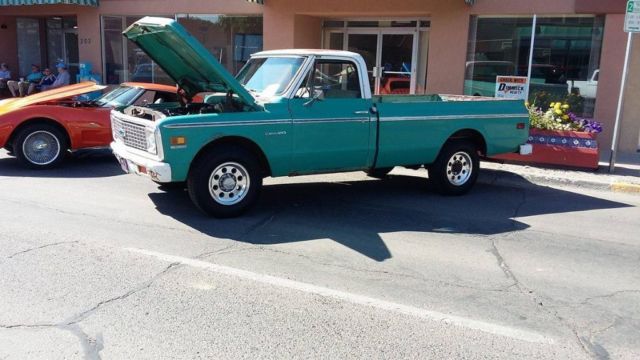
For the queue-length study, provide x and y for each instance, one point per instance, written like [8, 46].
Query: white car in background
[586, 88]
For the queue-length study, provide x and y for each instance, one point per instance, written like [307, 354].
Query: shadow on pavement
[81, 164]
[355, 213]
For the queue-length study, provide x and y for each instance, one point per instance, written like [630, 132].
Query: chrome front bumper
[135, 164]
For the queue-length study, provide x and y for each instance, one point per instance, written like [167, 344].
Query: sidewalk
[626, 178]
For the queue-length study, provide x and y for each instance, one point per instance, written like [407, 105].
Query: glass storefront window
[140, 68]
[28, 46]
[566, 57]
[231, 39]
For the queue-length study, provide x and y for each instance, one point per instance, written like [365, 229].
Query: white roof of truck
[306, 52]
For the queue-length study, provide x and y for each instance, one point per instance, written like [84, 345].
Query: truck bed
[412, 129]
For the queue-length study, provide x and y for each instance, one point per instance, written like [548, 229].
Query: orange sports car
[42, 128]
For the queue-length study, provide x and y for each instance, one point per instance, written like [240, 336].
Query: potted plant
[559, 137]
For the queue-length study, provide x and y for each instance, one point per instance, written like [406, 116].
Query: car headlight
[152, 146]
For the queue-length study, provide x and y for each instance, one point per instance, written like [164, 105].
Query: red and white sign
[511, 87]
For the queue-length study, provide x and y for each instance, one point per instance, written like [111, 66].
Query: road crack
[586, 346]
[40, 247]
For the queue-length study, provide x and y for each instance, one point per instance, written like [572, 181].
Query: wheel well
[243, 142]
[38, 121]
[474, 136]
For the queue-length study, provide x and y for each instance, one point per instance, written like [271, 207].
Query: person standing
[21, 87]
[5, 75]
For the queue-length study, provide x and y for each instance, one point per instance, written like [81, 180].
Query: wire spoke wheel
[41, 147]
[459, 168]
[229, 183]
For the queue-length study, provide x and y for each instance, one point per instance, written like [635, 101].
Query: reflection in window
[565, 63]
[231, 39]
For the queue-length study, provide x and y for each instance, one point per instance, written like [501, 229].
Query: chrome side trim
[227, 123]
[452, 117]
[330, 120]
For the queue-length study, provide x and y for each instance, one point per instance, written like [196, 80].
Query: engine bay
[214, 104]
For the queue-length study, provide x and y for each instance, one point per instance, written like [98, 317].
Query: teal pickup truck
[295, 112]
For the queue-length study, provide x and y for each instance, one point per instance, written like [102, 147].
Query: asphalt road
[97, 264]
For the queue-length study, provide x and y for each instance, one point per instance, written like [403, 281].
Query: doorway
[396, 56]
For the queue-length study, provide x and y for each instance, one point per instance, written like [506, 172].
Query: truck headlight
[152, 146]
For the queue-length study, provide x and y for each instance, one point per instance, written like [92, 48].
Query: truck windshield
[269, 76]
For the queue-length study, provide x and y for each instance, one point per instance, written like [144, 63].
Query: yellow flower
[558, 112]
[566, 117]
[565, 106]
[552, 104]
[526, 103]
[557, 106]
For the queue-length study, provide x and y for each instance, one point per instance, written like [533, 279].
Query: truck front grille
[132, 135]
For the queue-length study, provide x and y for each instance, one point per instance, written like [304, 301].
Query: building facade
[575, 51]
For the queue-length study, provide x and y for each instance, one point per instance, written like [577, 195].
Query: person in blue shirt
[63, 78]
[47, 80]
[5, 75]
[25, 85]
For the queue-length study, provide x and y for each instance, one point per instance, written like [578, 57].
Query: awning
[48, 2]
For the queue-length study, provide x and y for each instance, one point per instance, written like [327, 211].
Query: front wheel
[40, 146]
[455, 171]
[225, 182]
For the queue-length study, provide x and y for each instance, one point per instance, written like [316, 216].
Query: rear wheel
[455, 171]
[40, 146]
[225, 182]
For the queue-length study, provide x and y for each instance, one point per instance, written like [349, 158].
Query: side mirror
[318, 95]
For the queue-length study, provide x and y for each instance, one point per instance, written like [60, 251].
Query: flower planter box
[563, 148]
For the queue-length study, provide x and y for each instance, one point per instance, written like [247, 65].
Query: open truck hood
[65, 92]
[183, 58]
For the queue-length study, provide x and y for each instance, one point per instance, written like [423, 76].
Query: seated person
[63, 78]
[47, 80]
[5, 75]
[23, 86]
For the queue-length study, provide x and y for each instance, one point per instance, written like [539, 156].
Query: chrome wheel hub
[41, 147]
[229, 183]
[459, 168]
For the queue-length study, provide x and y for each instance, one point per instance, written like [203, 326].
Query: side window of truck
[337, 79]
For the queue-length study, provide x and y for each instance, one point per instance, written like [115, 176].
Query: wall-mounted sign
[511, 87]
[632, 19]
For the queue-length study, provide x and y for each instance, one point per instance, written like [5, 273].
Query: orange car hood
[64, 92]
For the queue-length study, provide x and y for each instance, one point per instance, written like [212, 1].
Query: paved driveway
[97, 264]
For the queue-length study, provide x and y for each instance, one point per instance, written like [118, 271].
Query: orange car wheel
[40, 146]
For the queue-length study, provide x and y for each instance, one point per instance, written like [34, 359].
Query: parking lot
[98, 264]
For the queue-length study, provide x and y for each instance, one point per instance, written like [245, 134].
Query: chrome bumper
[135, 164]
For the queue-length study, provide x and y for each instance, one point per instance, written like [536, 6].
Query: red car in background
[42, 128]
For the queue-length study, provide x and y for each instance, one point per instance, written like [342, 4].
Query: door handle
[361, 112]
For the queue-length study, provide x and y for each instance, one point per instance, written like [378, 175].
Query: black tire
[455, 171]
[53, 142]
[379, 173]
[229, 162]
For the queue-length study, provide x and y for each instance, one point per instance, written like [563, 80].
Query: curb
[502, 177]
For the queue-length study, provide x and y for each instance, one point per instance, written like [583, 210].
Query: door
[71, 54]
[331, 120]
[366, 44]
[397, 63]
[391, 58]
